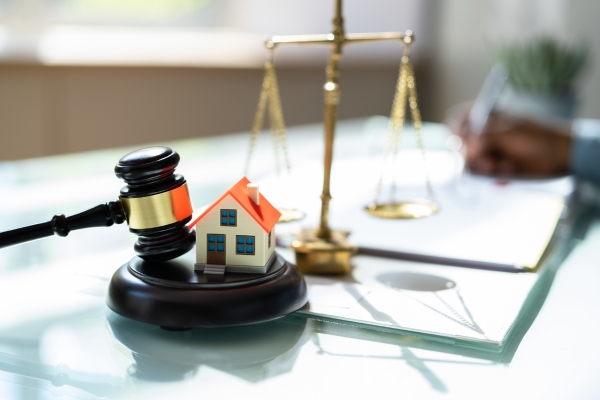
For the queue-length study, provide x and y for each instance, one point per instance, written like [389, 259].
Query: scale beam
[329, 38]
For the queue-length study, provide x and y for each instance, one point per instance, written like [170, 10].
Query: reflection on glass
[252, 352]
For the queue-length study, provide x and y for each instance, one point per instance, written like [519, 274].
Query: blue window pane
[211, 238]
[231, 221]
[220, 247]
[232, 213]
[211, 247]
[220, 239]
[250, 240]
[240, 240]
[223, 221]
[223, 213]
[249, 249]
[240, 249]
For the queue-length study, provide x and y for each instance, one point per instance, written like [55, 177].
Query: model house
[236, 233]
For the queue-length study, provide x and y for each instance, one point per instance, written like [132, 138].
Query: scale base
[291, 215]
[171, 294]
[418, 208]
[318, 256]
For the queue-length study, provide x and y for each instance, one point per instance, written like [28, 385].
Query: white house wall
[246, 225]
[269, 251]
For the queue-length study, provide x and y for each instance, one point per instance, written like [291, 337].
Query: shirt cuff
[585, 150]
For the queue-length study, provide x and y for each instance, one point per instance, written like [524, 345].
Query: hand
[511, 146]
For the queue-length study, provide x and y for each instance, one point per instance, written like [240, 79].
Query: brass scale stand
[324, 250]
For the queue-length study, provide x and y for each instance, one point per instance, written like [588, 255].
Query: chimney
[253, 192]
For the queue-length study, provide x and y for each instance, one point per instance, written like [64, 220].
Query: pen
[486, 98]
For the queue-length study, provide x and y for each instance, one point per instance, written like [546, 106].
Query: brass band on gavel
[158, 210]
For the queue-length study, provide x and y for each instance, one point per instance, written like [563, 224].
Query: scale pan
[418, 208]
[291, 214]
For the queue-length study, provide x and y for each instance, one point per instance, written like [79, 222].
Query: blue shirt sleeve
[585, 151]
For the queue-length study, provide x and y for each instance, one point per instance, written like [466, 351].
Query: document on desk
[499, 228]
[444, 303]
[482, 222]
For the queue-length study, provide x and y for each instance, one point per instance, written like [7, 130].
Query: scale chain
[416, 117]
[277, 121]
[270, 94]
[396, 123]
[258, 117]
[406, 83]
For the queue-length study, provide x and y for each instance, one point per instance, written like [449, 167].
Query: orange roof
[265, 214]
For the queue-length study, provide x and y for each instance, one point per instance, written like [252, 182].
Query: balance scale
[323, 250]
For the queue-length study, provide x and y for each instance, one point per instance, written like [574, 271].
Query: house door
[215, 249]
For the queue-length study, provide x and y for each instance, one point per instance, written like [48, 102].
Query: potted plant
[542, 77]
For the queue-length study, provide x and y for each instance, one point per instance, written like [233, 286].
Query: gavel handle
[101, 215]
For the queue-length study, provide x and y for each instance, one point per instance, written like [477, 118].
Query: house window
[228, 217]
[216, 242]
[244, 245]
[270, 239]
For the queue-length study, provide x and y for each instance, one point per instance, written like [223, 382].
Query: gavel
[155, 203]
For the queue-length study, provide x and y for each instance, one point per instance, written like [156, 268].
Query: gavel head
[156, 203]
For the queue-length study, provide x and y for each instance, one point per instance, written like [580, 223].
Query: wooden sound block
[171, 294]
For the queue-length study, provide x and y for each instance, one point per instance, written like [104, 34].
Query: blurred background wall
[78, 75]
[470, 30]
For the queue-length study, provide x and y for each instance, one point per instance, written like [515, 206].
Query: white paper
[453, 302]
[480, 219]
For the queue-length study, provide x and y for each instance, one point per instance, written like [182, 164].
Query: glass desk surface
[58, 339]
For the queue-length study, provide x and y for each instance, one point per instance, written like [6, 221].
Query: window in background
[197, 13]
